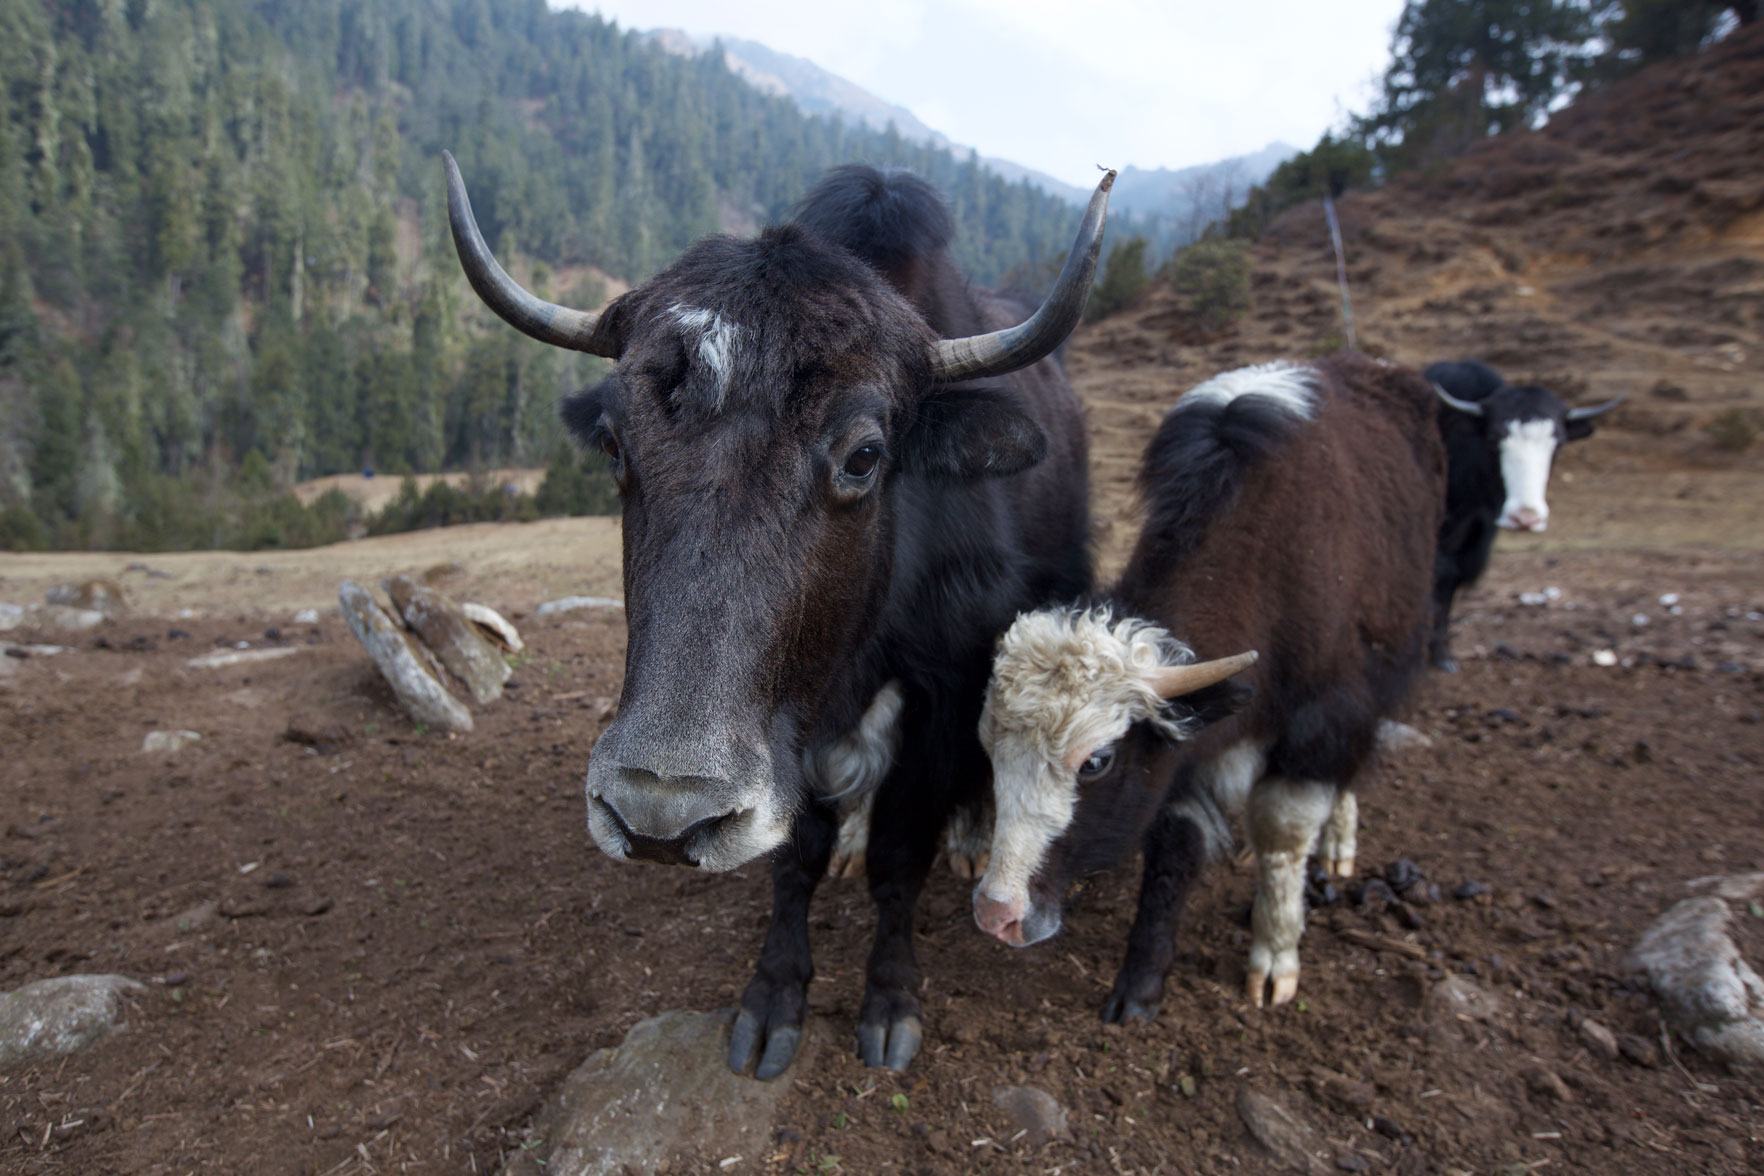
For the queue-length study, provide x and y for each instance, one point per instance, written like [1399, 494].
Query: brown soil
[374, 950]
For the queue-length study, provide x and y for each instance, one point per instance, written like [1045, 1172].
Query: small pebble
[1467, 890]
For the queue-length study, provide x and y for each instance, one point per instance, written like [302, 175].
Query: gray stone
[666, 1094]
[421, 694]
[1707, 991]
[104, 597]
[1599, 1041]
[572, 603]
[455, 639]
[237, 657]
[1291, 1141]
[1034, 1112]
[65, 616]
[53, 1018]
[168, 740]
[1459, 998]
[1396, 737]
[11, 616]
[494, 624]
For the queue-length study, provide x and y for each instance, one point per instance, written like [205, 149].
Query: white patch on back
[1526, 453]
[1290, 385]
[716, 338]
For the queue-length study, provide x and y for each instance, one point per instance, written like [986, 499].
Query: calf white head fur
[1066, 685]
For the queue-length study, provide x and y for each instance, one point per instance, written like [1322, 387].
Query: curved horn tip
[1108, 180]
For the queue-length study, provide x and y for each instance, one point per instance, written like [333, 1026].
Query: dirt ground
[375, 492]
[371, 950]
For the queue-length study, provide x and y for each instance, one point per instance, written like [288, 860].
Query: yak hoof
[1121, 1010]
[890, 1045]
[1339, 867]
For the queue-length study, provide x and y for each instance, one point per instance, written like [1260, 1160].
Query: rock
[495, 625]
[666, 1090]
[11, 616]
[54, 1018]
[1546, 1084]
[1467, 890]
[1033, 1111]
[236, 657]
[324, 738]
[306, 616]
[1292, 1142]
[572, 603]
[168, 740]
[104, 597]
[1341, 1092]
[62, 616]
[1398, 737]
[1599, 1041]
[1639, 1051]
[421, 694]
[1708, 992]
[1457, 999]
[445, 629]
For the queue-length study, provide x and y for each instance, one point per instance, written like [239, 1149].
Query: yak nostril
[670, 851]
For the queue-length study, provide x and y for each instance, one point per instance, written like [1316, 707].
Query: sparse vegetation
[1734, 430]
[1124, 279]
[1213, 275]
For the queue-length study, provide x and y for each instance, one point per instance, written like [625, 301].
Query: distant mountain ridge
[1162, 191]
[819, 91]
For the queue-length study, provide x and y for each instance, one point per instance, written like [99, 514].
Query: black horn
[1593, 410]
[977, 357]
[1467, 406]
[547, 322]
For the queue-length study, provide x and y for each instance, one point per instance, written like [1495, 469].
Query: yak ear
[1577, 430]
[584, 414]
[1210, 704]
[962, 434]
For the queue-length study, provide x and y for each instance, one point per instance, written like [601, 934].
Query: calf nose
[671, 821]
[1002, 920]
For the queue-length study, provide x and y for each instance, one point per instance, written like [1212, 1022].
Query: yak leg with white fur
[1338, 843]
[769, 1026]
[854, 838]
[1175, 852]
[1284, 816]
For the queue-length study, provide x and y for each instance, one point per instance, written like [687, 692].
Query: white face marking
[1288, 384]
[1063, 684]
[1526, 452]
[717, 338]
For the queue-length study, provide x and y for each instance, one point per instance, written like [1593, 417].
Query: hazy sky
[1064, 86]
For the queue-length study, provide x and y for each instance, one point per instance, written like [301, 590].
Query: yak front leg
[1175, 851]
[904, 833]
[768, 1027]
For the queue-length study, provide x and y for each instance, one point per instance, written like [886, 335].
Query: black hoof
[1121, 1010]
[768, 1029]
[890, 1032]
[1446, 665]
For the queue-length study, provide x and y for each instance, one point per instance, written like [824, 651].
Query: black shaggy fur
[770, 595]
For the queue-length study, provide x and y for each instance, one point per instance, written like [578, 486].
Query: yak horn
[1175, 681]
[545, 321]
[1468, 406]
[1591, 411]
[975, 357]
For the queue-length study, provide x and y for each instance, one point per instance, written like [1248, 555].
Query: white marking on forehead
[1290, 385]
[1526, 453]
[1063, 682]
[716, 337]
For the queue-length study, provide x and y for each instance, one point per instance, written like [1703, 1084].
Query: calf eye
[1100, 761]
[862, 462]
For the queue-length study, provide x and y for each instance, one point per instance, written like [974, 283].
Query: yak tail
[1204, 451]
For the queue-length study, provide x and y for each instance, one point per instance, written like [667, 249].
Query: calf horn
[578, 330]
[976, 357]
[1469, 406]
[1587, 413]
[1175, 681]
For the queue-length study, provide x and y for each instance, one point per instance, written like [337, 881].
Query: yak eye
[1100, 761]
[862, 462]
[609, 445]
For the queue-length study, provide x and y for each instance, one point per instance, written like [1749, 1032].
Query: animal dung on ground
[419, 691]
[447, 630]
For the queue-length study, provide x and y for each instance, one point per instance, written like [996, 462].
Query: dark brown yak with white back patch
[832, 506]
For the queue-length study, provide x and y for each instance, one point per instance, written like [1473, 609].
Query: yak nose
[1002, 920]
[1527, 519]
[671, 821]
